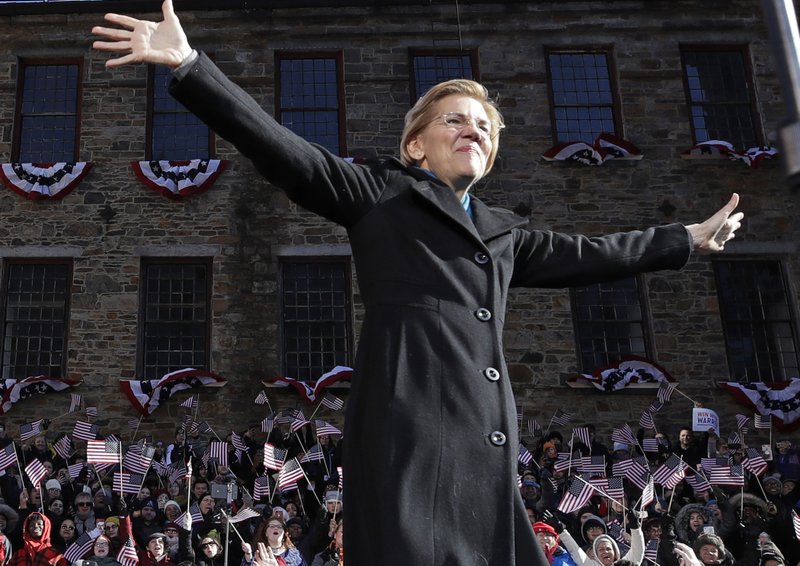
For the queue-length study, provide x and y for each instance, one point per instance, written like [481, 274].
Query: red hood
[33, 545]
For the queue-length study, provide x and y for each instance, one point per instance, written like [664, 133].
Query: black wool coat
[430, 464]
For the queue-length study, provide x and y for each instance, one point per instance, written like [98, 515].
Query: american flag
[624, 435]
[698, 482]
[261, 488]
[615, 530]
[273, 457]
[646, 420]
[134, 423]
[287, 416]
[670, 473]
[582, 434]
[534, 428]
[128, 483]
[576, 496]
[594, 465]
[195, 513]
[36, 471]
[519, 417]
[29, 430]
[651, 550]
[8, 456]
[665, 390]
[655, 406]
[648, 493]
[291, 486]
[742, 422]
[734, 439]
[218, 451]
[79, 548]
[796, 523]
[650, 445]
[91, 412]
[727, 475]
[75, 403]
[762, 421]
[297, 424]
[85, 431]
[314, 454]
[614, 488]
[639, 479]
[127, 554]
[261, 398]
[341, 477]
[191, 402]
[560, 418]
[63, 447]
[563, 461]
[201, 428]
[103, 451]
[332, 402]
[74, 470]
[624, 467]
[326, 429]
[268, 423]
[754, 461]
[524, 457]
[179, 472]
[138, 459]
[244, 514]
[290, 473]
[709, 464]
[238, 441]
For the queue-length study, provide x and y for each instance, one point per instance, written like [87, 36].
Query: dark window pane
[35, 320]
[309, 100]
[757, 321]
[316, 317]
[609, 323]
[430, 70]
[176, 317]
[49, 110]
[719, 97]
[582, 96]
[177, 133]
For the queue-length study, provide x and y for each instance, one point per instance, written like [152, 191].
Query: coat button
[497, 438]
[491, 374]
[481, 258]
[483, 314]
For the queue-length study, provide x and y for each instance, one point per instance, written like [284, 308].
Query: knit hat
[545, 528]
[770, 552]
[113, 520]
[52, 484]
[775, 478]
[708, 538]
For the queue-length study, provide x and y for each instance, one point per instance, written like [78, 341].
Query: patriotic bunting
[147, 395]
[310, 393]
[43, 181]
[606, 146]
[779, 400]
[629, 370]
[719, 148]
[178, 179]
[13, 390]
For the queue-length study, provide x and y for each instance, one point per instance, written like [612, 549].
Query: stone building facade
[242, 228]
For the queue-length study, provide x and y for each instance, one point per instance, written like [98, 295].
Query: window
[758, 321]
[609, 322]
[48, 111]
[719, 95]
[35, 316]
[583, 96]
[316, 316]
[174, 133]
[175, 307]
[432, 67]
[311, 98]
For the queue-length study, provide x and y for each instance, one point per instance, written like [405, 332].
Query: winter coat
[37, 552]
[581, 558]
[682, 529]
[431, 411]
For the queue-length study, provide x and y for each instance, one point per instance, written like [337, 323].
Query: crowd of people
[181, 512]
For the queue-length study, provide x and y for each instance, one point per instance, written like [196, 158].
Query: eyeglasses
[207, 544]
[84, 504]
[458, 121]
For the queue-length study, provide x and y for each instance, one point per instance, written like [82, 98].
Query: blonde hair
[423, 113]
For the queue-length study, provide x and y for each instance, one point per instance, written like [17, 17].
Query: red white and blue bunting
[42, 180]
[14, 390]
[178, 179]
[779, 400]
[309, 393]
[630, 369]
[715, 149]
[147, 395]
[604, 148]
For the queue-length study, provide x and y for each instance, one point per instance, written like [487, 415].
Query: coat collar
[486, 224]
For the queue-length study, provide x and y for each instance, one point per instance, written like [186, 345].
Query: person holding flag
[37, 549]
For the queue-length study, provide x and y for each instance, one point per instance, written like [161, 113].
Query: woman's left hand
[264, 556]
[711, 235]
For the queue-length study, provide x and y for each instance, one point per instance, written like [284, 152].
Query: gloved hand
[633, 520]
[553, 521]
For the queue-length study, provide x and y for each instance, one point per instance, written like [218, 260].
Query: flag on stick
[290, 473]
[85, 431]
[103, 451]
[273, 457]
[36, 471]
[8, 456]
[29, 430]
[576, 496]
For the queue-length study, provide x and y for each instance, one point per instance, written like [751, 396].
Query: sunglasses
[84, 504]
[207, 544]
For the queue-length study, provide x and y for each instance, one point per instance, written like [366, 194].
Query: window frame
[22, 64]
[6, 264]
[427, 52]
[150, 122]
[616, 105]
[349, 318]
[794, 314]
[645, 322]
[142, 318]
[744, 51]
[338, 56]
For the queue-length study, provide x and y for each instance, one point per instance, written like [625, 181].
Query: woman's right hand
[144, 41]
[248, 551]
[264, 556]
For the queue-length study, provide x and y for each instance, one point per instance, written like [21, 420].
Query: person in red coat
[37, 549]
